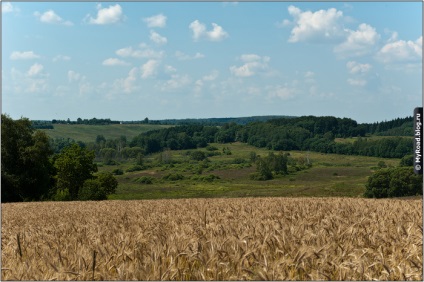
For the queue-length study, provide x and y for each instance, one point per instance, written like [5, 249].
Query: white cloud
[359, 42]
[355, 67]
[74, 76]
[401, 51]
[35, 69]
[51, 17]
[253, 64]
[8, 8]
[284, 92]
[110, 15]
[319, 26]
[114, 62]
[212, 76]
[156, 21]
[309, 74]
[149, 69]
[199, 32]
[357, 82]
[128, 83]
[61, 58]
[30, 82]
[157, 38]
[184, 57]
[143, 52]
[24, 55]
[170, 69]
[177, 81]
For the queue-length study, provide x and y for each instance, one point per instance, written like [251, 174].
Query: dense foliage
[304, 133]
[32, 169]
[394, 182]
[26, 168]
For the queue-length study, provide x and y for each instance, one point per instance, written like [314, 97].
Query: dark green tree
[107, 182]
[74, 166]
[26, 169]
[91, 191]
[394, 182]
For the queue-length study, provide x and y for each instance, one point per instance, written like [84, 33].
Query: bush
[107, 182]
[407, 160]
[62, 195]
[206, 178]
[197, 155]
[211, 148]
[92, 191]
[173, 177]
[144, 180]
[394, 182]
[135, 168]
[118, 171]
[259, 176]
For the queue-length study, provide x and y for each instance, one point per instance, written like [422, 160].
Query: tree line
[305, 133]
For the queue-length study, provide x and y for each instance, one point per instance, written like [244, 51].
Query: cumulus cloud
[357, 82]
[110, 15]
[177, 81]
[156, 21]
[252, 64]
[355, 67]
[61, 58]
[198, 85]
[401, 51]
[143, 52]
[157, 38]
[114, 62]
[51, 17]
[75, 76]
[26, 55]
[184, 57]
[35, 69]
[319, 26]
[8, 8]
[284, 92]
[149, 69]
[359, 42]
[199, 31]
[32, 81]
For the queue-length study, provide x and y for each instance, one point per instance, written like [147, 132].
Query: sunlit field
[214, 239]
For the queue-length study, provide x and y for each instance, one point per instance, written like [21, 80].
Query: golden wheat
[214, 239]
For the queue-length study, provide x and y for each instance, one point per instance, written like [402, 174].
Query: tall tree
[26, 169]
[74, 166]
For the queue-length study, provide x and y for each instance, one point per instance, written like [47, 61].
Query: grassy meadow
[88, 133]
[224, 175]
[214, 239]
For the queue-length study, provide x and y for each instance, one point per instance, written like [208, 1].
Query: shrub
[144, 180]
[393, 182]
[211, 148]
[92, 191]
[118, 171]
[107, 182]
[197, 155]
[173, 177]
[62, 195]
[206, 178]
[135, 168]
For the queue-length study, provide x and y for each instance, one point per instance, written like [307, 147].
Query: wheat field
[214, 239]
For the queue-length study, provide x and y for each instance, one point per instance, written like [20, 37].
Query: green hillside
[88, 133]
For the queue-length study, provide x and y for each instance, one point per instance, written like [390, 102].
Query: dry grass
[214, 239]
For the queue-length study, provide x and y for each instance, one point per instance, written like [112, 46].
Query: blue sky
[131, 60]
